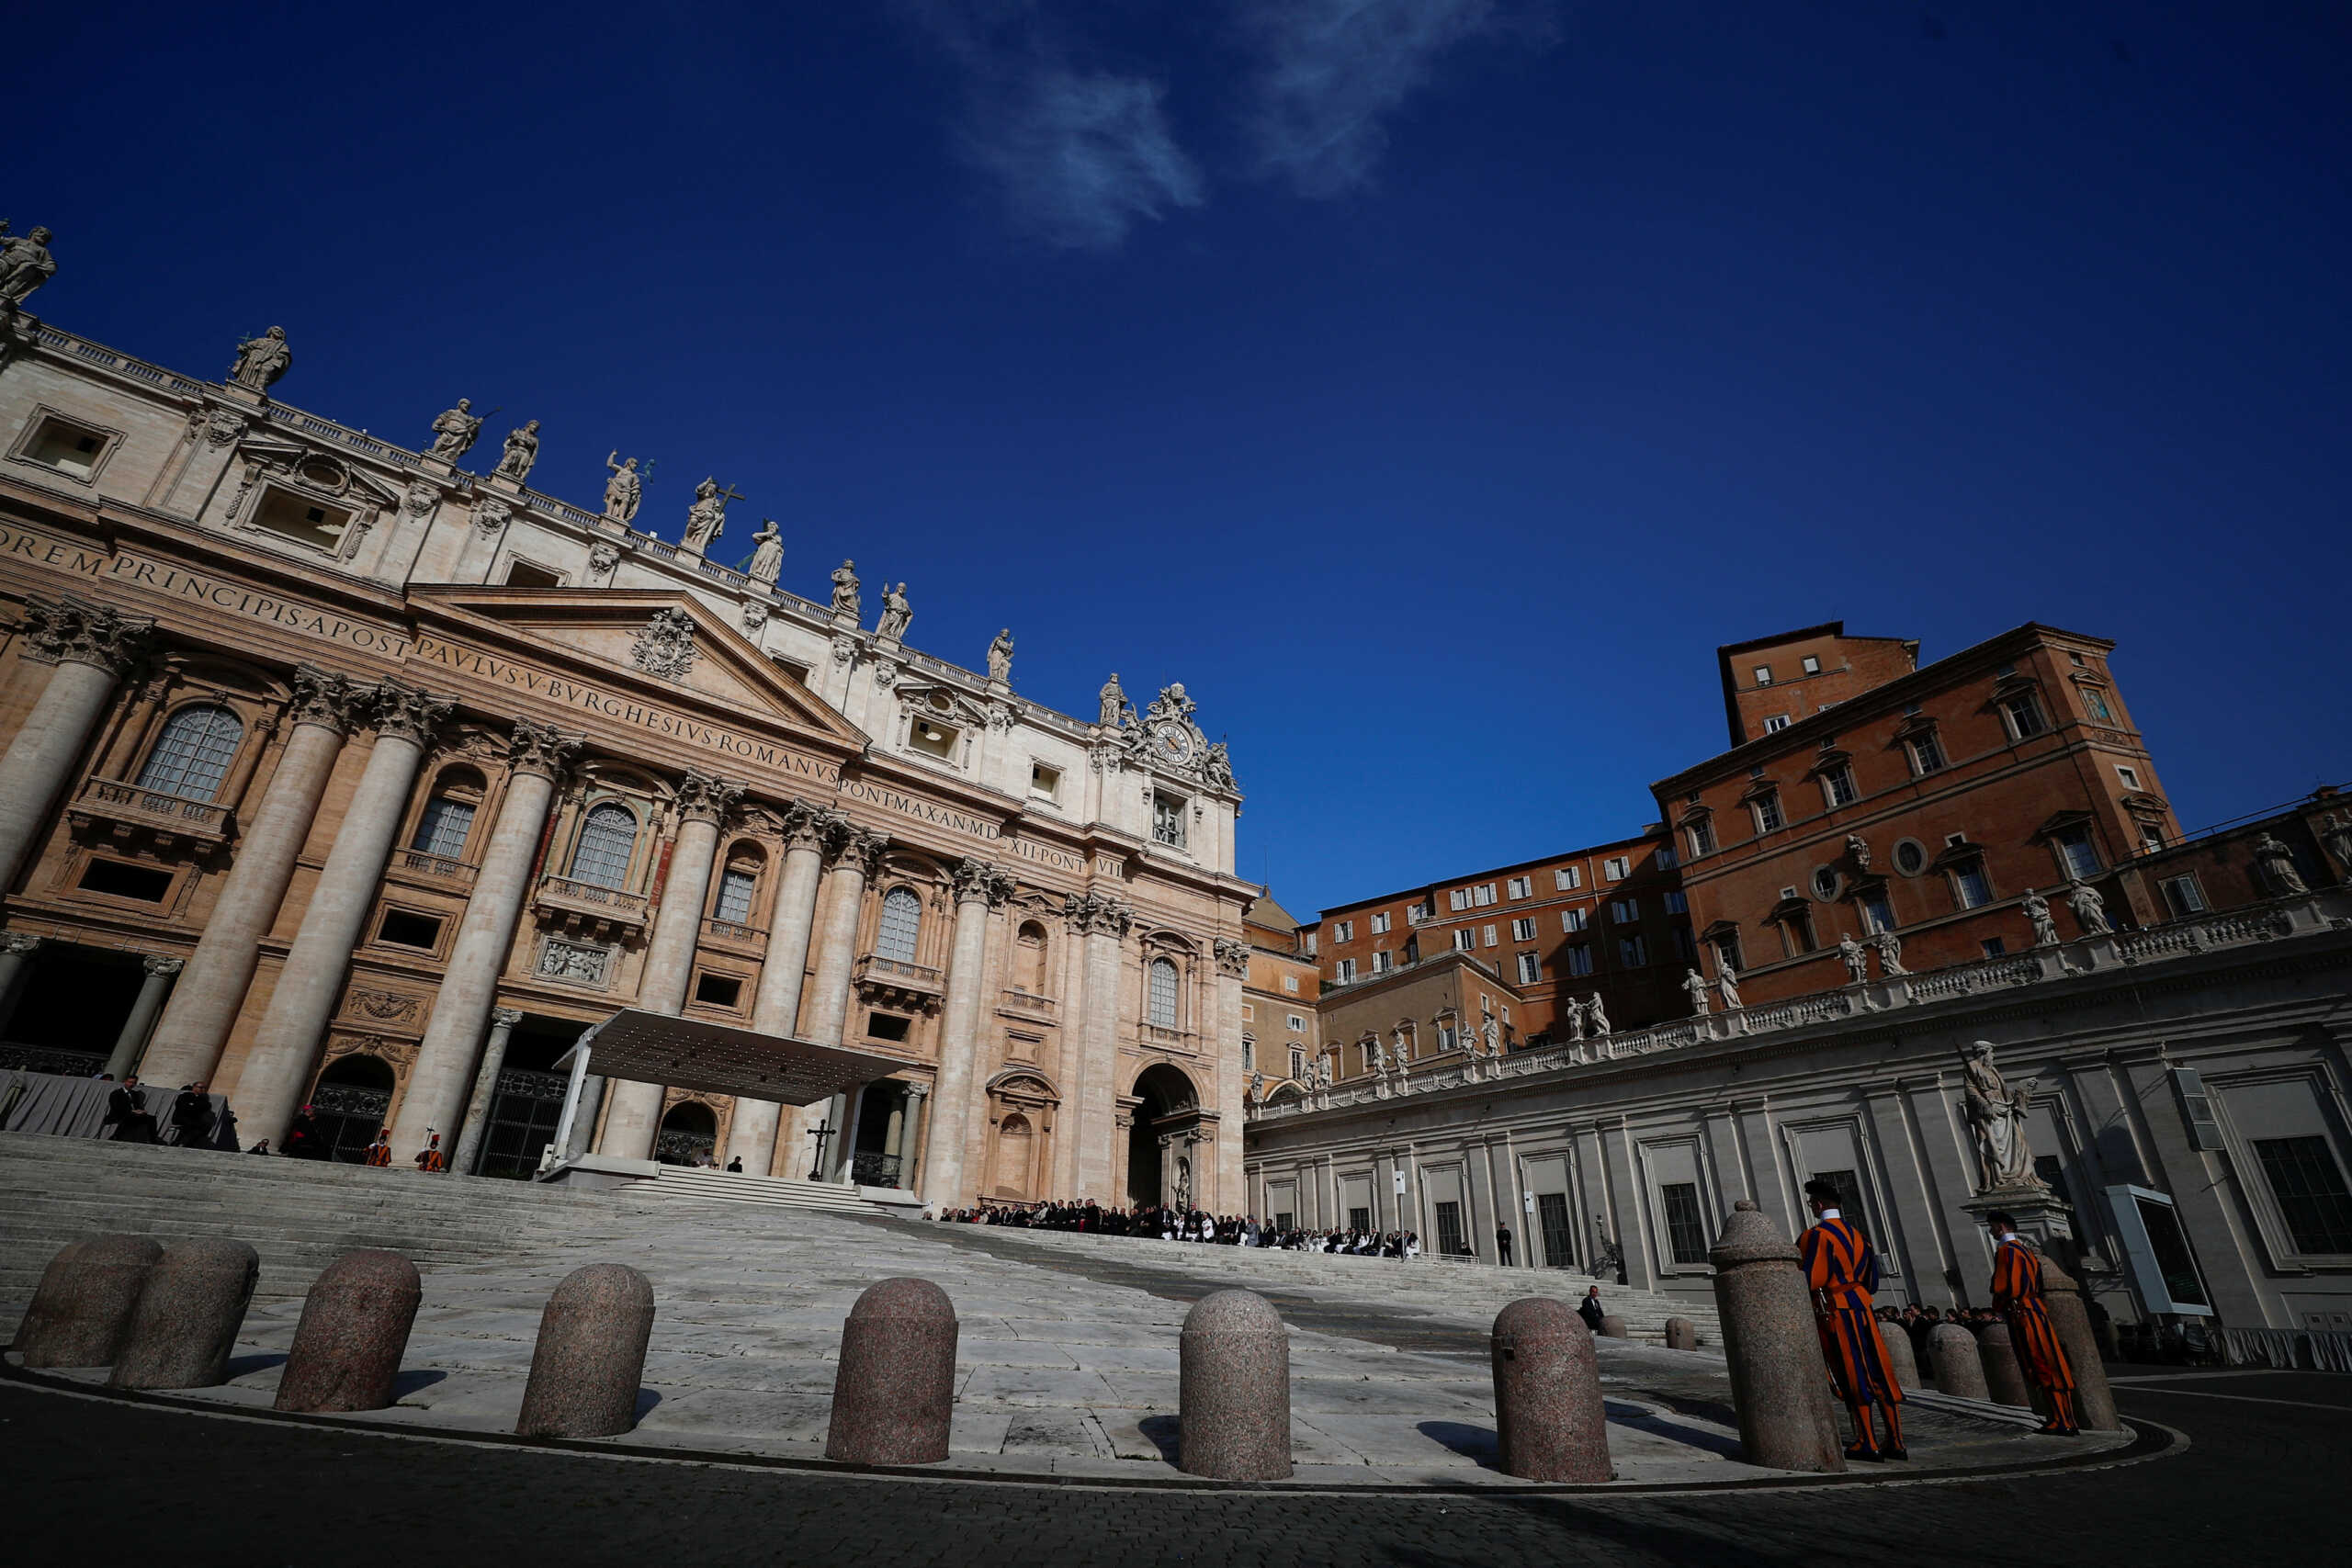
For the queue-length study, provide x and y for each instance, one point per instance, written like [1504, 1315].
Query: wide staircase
[298, 1214]
[696, 1185]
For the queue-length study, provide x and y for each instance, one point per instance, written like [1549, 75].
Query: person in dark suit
[1590, 1309]
[127, 1114]
[191, 1117]
[1502, 1245]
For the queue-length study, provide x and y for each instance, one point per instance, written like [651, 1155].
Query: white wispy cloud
[1080, 156]
[1328, 70]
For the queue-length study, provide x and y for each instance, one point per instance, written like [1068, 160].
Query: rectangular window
[403, 928]
[1927, 754]
[1624, 911]
[2151, 838]
[935, 740]
[1343, 931]
[1297, 1063]
[1775, 723]
[321, 527]
[1314, 941]
[72, 449]
[1465, 940]
[1489, 932]
[1767, 813]
[1837, 784]
[888, 1026]
[1727, 953]
[1580, 958]
[1616, 868]
[1382, 960]
[1445, 1035]
[1703, 837]
[1380, 923]
[1763, 674]
[1482, 894]
[2309, 1186]
[1360, 1220]
[1877, 914]
[120, 879]
[1686, 1228]
[1297, 1026]
[1522, 887]
[735, 890]
[2076, 854]
[1457, 898]
[1993, 947]
[1530, 969]
[1798, 929]
[1523, 929]
[442, 829]
[2024, 716]
[1812, 665]
[1167, 820]
[718, 990]
[1666, 858]
[1290, 984]
[1575, 920]
[1552, 1219]
[2182, 895]
[1347, 970]
[1970, 887]
[1450, 1240]
[2128, 777]
[1677, 903]
[1044, 782]
[1566, 877]
[1686, 947]
[1633, 952]
[2095, 705]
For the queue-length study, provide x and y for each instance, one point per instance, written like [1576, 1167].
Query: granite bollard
[1233, 1400]
[1681, 1334]
[591, 1355]
[1899, 1359]
[355, 1327]
[894, 1391]
[1959, 1372]
[188, 1315]
[1613, 1326]
[2003, 1379]
[2062, 1298]
[1780, 1385]
[1547, 1393]
[82, 1308]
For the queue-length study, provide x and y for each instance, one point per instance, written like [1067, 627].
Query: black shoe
[1870, 1455]
[1898, 1453]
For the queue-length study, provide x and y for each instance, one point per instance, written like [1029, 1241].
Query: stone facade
[414, 772]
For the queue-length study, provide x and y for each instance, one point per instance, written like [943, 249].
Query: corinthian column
[278, 1070]
[494, 1057]
[143, 1011]
[980, 887]
[775, 1008]
[444, 1059]
[857, 857]
[1223, 1180]
[91, 646]
[1103, 923]
[703, 806]
[205, 1002]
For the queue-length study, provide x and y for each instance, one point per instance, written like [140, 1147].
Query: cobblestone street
[2259, 1483]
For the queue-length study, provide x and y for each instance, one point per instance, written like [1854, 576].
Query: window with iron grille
[1167, 820]
[1686, 1231]
[443, 828]
[608, 840]
[735, 890]
[1451, 1243]
[1163, 993]
[901, 925]
[192, 756]
[1559, 1239]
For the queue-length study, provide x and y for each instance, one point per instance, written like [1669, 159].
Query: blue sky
[1431, 385]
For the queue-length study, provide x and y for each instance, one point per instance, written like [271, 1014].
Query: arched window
[192, 756]
[901, 923]
[606, 841]
[1163, 994]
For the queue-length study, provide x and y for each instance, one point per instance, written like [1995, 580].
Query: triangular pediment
[634, 638]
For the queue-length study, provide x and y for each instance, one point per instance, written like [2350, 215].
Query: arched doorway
[688, 1134]
[1167, 1106]
[352, 1102]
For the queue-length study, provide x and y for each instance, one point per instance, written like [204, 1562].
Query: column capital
[157, 963]
[982, 882]
[541, 748]
[1232, 957]
[506, 1017]
[803, 825]
[918, 1091]
[408, 714]
[326, 698]
[1091, 913]
[19, 942]
[704, 797]
[70, 629]
[856, 847]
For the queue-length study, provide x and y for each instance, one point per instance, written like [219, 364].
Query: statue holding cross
[706, 518]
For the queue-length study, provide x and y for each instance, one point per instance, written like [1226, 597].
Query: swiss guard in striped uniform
[2016, 1292]
[381, 1151]
[1843, 1272]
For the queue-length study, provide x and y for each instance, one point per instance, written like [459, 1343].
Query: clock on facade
[1171, 743]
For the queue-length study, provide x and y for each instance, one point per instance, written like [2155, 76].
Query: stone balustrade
[576, 904]
[127, 808]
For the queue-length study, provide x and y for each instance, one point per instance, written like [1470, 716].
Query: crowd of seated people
[1168, 1224]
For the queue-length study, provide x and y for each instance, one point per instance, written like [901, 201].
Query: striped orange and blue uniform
[1843, 1273]
[2017, 1291]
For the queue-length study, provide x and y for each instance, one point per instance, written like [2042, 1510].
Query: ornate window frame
[110, 440]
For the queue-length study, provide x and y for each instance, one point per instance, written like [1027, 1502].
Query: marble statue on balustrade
[1996, 1111]
[1114, 710]
[767, 553]
[1858, 963]
[1493, 1039]
[1596, 1017]
[455, 432]
[522, 451]
[1001, 655]
[1694, 986]
[1374, 1060]
[845, 598]
[2090, 909]
[1728, 982]
[1890, 955]
[624, 491]
[2276, 863]
[2336, 837]
[1572, 1014]
[262, 360]
[24, 263]
[1216, 763]
[2045, 924]
[706, 518]
[1257, 1088]
[896, 614]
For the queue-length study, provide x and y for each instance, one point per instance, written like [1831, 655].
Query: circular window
[1910, 859]
[322, 473]
[1825, 883]
[939, 703]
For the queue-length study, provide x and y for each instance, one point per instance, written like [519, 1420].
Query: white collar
[2007, 1236]
[1831, 1214]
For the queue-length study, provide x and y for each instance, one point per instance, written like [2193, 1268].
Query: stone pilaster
[91, 645]
[1101, 923]
[536, 756]
[276, 1073]
[980, 887]
[1224, 1183]
[205, 1002]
